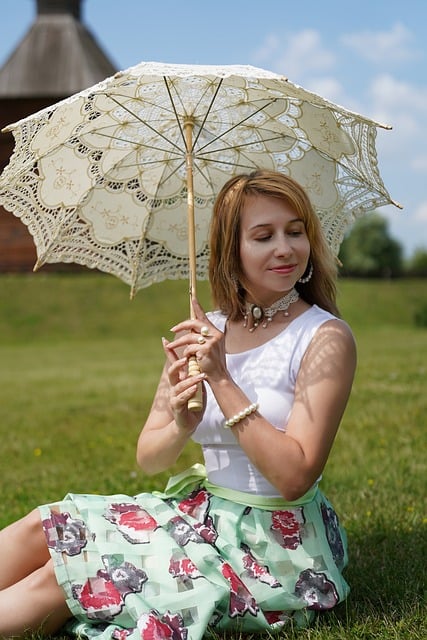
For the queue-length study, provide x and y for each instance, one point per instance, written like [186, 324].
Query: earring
[307, 278]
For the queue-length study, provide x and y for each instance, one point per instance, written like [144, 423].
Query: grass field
[79, 364]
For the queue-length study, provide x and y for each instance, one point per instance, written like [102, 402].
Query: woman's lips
[284, 269]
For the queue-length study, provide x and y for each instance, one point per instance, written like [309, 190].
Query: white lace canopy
[100, 178]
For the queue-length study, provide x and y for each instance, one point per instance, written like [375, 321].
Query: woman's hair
[225, 269]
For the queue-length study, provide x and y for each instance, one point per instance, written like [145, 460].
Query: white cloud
[390, 90]
[326, 86]
[400, 104]
[296, 56]
[381, 47]
[268, 49]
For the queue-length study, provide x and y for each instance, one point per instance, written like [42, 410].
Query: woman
[247, 542]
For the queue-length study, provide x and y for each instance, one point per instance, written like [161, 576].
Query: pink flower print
[121, 634]
[241, 599]
[99, 597]
[126, 577]
[257, 571]
[206, 530]
[180, 566]
[196, 504]
[277, 619]
[66, 534]
[134, 523]
[154, 626]
[103, 596]
[286, 527]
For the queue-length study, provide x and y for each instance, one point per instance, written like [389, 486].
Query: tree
[417, 264]
[369, 251]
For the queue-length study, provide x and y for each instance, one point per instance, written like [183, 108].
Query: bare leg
[35, 603]
[23, 549]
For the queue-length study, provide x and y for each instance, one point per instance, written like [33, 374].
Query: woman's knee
[44, 585]
[43, 580]
[36, 602]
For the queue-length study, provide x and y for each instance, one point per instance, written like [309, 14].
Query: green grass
[80, 362]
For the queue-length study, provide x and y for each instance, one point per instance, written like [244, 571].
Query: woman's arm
[293, 460]
[169, 424]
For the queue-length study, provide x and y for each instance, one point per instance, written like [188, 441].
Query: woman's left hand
[201, 339]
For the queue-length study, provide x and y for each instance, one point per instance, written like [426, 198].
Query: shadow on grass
[387, 567]
[386, 574]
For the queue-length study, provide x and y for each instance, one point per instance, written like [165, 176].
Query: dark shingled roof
[57, 57]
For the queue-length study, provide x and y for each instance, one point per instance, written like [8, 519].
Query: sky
[369, 56]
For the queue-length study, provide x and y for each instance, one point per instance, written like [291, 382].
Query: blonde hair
[225, 270]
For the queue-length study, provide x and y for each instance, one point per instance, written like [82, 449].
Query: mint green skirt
[192, 559]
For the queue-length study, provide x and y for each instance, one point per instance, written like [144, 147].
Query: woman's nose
[283, 246]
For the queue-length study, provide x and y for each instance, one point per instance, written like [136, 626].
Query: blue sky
[370, 56]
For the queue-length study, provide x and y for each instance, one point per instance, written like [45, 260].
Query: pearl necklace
[266, 314]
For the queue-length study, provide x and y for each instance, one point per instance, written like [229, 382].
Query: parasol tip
[38, 264]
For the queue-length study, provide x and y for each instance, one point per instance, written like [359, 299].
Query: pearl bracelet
[244, 413]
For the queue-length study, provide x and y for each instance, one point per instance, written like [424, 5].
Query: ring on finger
[204, 331]
[201, 340]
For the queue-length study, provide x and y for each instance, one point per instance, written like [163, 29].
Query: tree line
[369, 251]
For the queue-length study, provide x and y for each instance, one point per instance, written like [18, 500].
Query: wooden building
[56, 58]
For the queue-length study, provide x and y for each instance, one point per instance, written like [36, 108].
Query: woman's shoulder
[324, 338]
[318, 317]
[310, 320]
[317, 326]
[330, 328]
[218, 319]
[324, 317]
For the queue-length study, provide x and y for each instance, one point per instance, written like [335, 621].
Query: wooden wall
[17, 251]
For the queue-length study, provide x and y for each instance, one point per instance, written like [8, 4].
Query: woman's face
[274, 247]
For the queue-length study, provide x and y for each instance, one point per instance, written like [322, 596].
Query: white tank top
[267, 374]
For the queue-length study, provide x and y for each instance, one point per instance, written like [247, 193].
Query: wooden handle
[196, 402]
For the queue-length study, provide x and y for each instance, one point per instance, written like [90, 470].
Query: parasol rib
[147, 124]
[208, 110]
[238, 124]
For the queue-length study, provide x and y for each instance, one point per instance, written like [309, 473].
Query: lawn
[80, 362]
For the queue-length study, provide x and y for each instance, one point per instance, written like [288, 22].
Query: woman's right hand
[182, 388]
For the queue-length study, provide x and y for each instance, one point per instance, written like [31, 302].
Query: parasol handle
[196, 402]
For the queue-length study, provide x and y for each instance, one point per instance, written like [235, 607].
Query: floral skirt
[175, 566]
